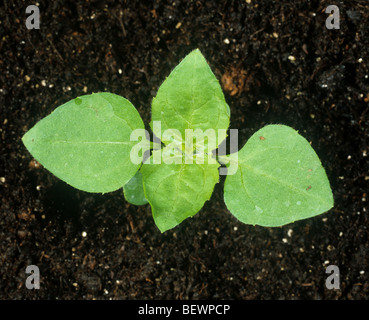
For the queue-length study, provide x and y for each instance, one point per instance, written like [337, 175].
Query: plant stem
[155, 145]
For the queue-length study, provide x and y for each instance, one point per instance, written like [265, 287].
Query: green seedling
[98, 143]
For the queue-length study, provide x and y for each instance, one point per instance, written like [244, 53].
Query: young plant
[98, 143]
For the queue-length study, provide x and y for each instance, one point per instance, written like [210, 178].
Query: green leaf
[86, 142]
[279, 180]
[177, 191]
[191, 98]
[134, 191]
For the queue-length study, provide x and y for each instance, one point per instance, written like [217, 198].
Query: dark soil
[277, 63]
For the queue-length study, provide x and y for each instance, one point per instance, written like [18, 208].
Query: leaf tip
[162, 228]
[27, 140]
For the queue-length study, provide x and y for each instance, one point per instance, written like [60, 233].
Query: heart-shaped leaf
[177, 191]
[279, 180]
[191, 98]
[86, 142]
